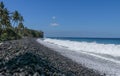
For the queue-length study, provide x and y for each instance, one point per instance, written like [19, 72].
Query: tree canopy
[12, 26]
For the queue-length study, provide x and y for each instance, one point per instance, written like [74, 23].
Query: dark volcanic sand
[26, 57]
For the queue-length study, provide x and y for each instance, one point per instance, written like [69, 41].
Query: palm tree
[21, 28]
[20, 25]
[21, 19]
[15, 17]
[1, 5]
[1, 12]
[6, 19]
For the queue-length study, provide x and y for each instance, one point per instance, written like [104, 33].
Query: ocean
[99, 46]
[97, 40]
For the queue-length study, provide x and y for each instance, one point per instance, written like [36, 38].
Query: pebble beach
[27, 57]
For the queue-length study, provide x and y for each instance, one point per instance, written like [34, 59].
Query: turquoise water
[97, 40]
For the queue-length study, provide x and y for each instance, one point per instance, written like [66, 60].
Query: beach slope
[28, 57]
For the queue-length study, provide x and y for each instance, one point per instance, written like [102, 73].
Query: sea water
[97, 40]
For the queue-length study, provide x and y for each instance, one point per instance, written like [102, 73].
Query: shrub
[9, 34]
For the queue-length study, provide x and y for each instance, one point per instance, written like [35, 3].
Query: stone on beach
[28, 57]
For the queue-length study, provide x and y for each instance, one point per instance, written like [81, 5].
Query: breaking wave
[110, 50]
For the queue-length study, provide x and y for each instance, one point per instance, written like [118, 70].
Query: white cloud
[54, 24]
[53, 17]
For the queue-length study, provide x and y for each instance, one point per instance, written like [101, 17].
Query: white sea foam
[102, 57]
[106, 49]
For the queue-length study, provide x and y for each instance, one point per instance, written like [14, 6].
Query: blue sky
[77, 18]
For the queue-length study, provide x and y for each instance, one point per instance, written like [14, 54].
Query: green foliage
[9, 34]
[32, 33]
[10, 31]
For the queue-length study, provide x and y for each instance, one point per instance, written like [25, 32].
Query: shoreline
[101, 64]
[28, 57]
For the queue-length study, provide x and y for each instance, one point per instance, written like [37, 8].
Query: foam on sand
[102, 57]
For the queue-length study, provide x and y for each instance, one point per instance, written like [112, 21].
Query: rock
[16, 74]
[22, 74]
[42, 75]
[1, 43]
[0, 48]
[36, 74]
[25, 47]
[1, 74]
[21, 70]
[26, 57]
[9, 47]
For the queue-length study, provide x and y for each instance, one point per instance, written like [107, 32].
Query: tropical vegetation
[12, 27]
